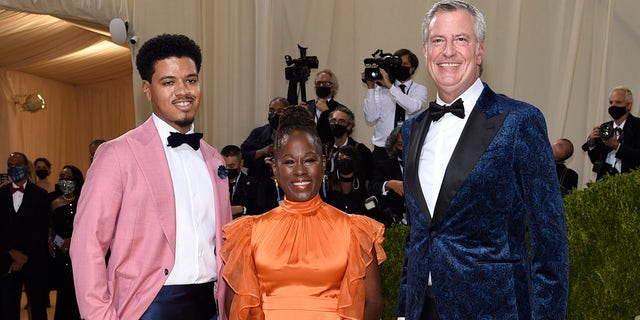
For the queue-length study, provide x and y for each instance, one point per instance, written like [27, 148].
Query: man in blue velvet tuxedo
[488, 237]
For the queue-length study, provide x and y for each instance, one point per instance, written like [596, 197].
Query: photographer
[326, 86]
[614, 146]
[392, 99]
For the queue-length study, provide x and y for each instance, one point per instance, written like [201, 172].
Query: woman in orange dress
[304, 259]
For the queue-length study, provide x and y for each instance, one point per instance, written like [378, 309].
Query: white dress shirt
[380, 107]
[611, 156]
[195, 260]
[18, 196]
[441, 140]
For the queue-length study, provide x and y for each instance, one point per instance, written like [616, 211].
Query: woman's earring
[324, 186]
[277, 191]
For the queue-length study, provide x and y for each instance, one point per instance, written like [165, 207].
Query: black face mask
[617, 112]
[42, 173]
[233, 173]
[323, 92]
[344, 166]
[338, 130]
[403, 73]
[274, 120]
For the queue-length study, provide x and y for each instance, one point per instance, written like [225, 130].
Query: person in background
[63, 210]
[304, 259]
[392, 99]
[568, 179]
[347, 187]
[342, 121]
[620, 151]
[326, 85]
[387, 184]
[23, 242]
[157, 196]
[93, 147]
[242, 188]
[258, 147]
[488, 238]
[43, 170]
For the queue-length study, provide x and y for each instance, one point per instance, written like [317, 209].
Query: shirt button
[165, 272]
[433, 234]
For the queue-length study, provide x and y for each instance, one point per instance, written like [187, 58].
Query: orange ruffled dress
[302, 260]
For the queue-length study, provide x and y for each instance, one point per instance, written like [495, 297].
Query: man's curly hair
[166, 46]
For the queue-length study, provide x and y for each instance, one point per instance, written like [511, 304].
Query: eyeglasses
[343, 122]
[324, 83]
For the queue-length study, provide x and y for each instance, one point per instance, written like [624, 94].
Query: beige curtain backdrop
[563, 56]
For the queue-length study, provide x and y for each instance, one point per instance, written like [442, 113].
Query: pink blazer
[128, 197]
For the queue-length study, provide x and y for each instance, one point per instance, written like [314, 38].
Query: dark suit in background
[391, 205]
[26, 231]
[567, 177]
[322, 122]
[628, 152]
[260, 137]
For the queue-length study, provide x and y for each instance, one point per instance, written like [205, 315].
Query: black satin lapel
[419, 131]
[474, 140]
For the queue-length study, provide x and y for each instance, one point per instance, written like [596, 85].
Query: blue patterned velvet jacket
[500, 183]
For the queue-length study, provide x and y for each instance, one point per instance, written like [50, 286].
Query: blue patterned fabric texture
[222, 172]
[500, 184]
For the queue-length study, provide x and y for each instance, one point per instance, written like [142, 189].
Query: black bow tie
[437, 111]
[192, 139]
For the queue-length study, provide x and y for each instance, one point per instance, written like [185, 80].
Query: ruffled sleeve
[366, 234]
[239, 270]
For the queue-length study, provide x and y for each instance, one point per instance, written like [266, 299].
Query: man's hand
[396, 185]
[19, 260]
[385, 81]
[322, 105]
[595, 134]
[612, 142]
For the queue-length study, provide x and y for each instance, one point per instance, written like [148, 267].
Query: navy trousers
[189, 301]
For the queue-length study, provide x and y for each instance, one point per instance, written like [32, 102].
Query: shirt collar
[346, 141]
[164, 129]
[621, 126]
[407, 83]
[469, 97]
[17, 186]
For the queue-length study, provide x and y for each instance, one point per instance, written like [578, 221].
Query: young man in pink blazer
[156, 197]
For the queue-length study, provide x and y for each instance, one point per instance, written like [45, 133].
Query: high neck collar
[308, 208]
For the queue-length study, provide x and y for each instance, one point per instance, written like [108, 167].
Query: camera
[134, 40]
[380, 60]
[299, 69]
[606, 131]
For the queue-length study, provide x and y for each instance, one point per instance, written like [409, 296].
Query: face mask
[42, 173]
[344, 166]
[403, 73]
[67, 186]
[233, 173]
[17, 173]
[323, 92]
[274, 120]
[616, 112]
[338, 130]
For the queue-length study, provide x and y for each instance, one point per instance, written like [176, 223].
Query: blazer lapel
[419, 129]
[479, 131]
[149, 153]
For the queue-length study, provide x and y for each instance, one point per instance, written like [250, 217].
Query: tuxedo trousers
[188, 301]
